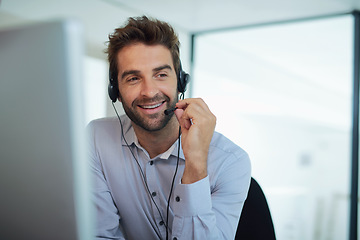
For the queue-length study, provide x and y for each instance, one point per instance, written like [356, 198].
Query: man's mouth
[151, 106]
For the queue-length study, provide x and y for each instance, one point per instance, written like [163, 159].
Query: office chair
[255, 221]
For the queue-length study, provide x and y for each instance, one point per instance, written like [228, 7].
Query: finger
[185, 123]
[195, 111]
[194, 103]
[182, 104]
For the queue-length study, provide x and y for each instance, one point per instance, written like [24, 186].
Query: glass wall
[284, 94]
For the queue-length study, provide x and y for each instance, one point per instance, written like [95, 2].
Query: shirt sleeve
[212, 211]
[107, 215]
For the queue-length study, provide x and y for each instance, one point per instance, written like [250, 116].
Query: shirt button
[175, 238]
[161, 223]
[153, 193]
[151, 162]
[177, 199]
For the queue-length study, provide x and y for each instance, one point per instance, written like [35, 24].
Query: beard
[153, 122]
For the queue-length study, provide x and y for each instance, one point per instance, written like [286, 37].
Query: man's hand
[197, 125]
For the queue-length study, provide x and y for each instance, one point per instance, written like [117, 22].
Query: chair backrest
[255, 220]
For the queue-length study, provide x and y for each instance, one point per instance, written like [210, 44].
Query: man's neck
[158, 142]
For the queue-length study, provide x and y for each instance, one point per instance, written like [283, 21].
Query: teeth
[151, 106]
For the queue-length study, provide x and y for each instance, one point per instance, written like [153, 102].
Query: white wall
[283, 93]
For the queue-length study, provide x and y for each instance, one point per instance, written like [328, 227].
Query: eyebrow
[136, 72]
[166, 66]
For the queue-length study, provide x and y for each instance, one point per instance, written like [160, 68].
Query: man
[146, 184]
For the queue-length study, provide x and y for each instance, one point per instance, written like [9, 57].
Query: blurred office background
[279, 76]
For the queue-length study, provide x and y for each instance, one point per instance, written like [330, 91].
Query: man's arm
[202, 212]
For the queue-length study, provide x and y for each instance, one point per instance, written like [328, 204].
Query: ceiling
[100, 17]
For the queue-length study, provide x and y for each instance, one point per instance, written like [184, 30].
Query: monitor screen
[43, 172]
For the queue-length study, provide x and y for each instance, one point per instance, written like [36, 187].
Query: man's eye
[132, 79]
[161, 75]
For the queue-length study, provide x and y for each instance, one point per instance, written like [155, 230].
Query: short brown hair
[142, 30]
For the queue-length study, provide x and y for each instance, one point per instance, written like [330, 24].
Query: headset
[183, 79]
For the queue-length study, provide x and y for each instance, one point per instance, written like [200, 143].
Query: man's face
[147, 84]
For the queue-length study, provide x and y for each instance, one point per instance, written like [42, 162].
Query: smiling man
[158, 174]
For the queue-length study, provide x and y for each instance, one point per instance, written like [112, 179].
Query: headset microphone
[170, 110]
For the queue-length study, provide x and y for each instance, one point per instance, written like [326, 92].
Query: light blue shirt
[207, 209]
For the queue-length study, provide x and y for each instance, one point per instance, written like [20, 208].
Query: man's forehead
[138, 56]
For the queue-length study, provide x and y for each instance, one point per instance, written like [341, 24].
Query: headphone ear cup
[112, 92]
[183, 80]
[112, 88]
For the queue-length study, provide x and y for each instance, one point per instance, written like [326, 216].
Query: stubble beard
[154, 122]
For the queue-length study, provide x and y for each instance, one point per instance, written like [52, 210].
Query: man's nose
[149, 87]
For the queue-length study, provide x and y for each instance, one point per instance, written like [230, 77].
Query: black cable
[172, 186]
[173, 180]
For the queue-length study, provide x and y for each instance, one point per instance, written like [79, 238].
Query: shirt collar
[131, 139]
[173, 150]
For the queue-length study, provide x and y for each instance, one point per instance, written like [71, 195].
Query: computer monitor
[44, 184]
